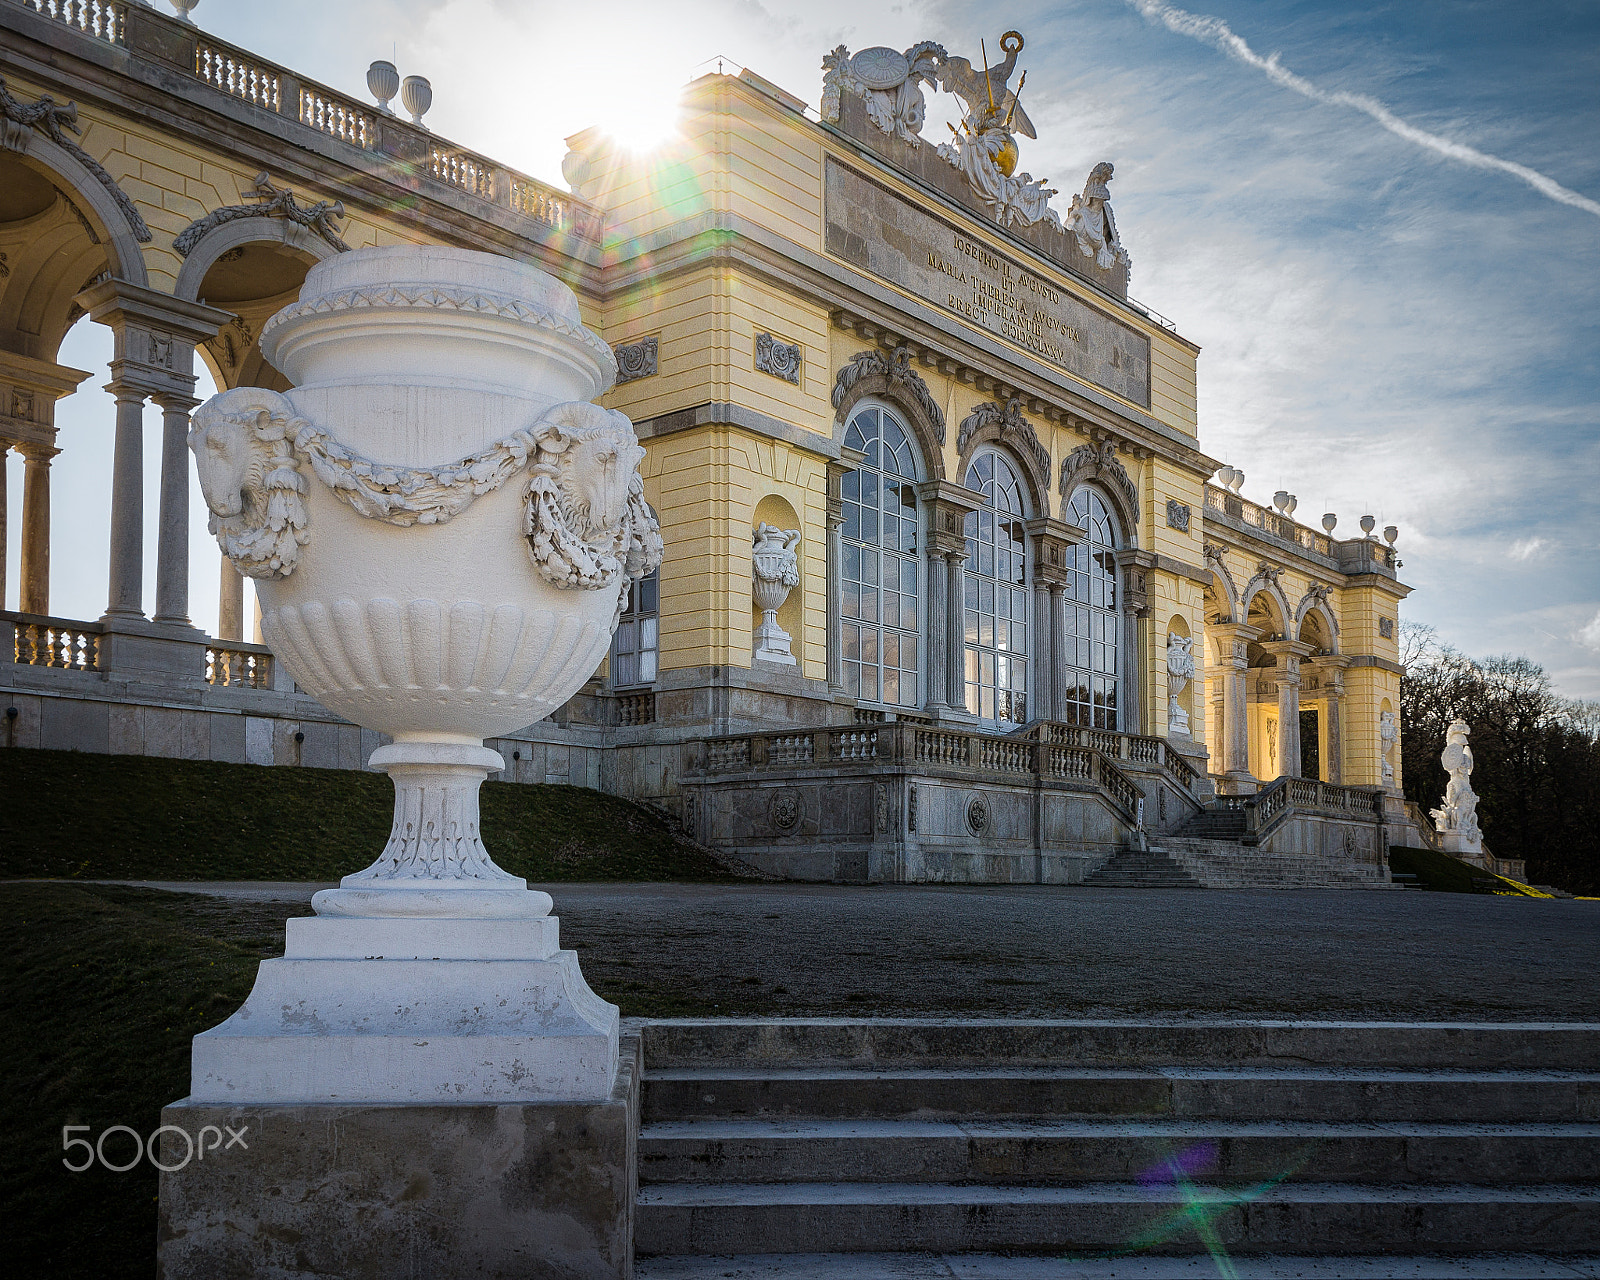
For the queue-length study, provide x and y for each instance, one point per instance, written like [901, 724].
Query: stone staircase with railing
[827, 1136]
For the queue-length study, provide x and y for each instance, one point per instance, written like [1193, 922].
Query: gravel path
[665, 949]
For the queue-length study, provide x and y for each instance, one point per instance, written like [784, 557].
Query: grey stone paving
[1014, 951]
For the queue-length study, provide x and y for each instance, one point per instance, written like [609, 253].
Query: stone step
[1050, 1153]
[1269, 1217]
[1118, 1266]
[923, 1043]
[1220, 1094]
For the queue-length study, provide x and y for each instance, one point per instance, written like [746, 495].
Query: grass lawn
[1444, 874]
[65, 814]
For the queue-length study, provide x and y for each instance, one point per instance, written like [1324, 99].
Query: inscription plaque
[872, 228]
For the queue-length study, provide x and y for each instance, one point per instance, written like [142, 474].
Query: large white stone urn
[442, 529]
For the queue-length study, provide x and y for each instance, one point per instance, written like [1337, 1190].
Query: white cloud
[1527, 548]
[1216, 32]
[1589, 634]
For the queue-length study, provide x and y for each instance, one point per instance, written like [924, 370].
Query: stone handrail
[1425, 827]
[904, 743]
[1133, 747]
[239, 666]
[54, 642]
[1279, 800]
[277, 90]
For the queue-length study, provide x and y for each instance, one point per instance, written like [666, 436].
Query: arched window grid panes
[636, 646]
[996, 610]
[880, 630]
[1093, 616]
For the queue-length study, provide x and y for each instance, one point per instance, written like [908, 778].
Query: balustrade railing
[636, 708]
[1015, 759]
[103, 19]
[1133, 747]
[272, 88]
[464, 170]
[238, 668]
[1269, 521]
[1282, 798]
[338, 117]
[54, 642]
[226, 68]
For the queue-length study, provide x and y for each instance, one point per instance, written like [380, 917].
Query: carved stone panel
[1177, 515]
[636, 360]
[876, 230]
[780, 359]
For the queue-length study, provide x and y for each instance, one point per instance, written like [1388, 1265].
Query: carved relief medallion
[977, 815]
[783, 812]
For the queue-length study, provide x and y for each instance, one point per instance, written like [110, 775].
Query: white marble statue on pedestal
[775, 571]
[1180, 670]
[1388, 736]
[1457, 819]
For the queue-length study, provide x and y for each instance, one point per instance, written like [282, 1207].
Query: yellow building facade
[1027, 630]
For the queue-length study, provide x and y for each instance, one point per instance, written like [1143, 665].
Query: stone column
[29, 389]
[155, 336]
[956, 651]
[938, 631]
[36, 528]
[947, 506]
[172, 552]
[1330, 668]
[1058, 651]
[1134, 606]
[126, 595]
[1231, 640]
[834, 514]
[5, 519]
[1053, 541]
[230, 603]
[1041, 692]
[1288, 654]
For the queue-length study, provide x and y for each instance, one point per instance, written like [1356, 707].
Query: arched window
[997, 612]
[1094, 618]
[880, 627]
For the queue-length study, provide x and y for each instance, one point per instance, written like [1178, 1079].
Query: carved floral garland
[585, 527]
[867, 364]
[1014, 429]
[1099, 462]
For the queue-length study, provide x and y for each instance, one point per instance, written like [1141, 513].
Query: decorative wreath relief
[587, 522]
[585, 518]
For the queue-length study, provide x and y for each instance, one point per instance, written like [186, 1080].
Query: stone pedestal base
[529, 1189]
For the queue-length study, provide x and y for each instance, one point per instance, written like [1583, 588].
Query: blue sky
[1385, 329]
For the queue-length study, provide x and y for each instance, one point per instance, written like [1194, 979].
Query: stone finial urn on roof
[442, 528]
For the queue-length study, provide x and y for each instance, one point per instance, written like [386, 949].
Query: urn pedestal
[442, 528]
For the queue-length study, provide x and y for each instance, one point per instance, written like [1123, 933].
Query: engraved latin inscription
[878, 231]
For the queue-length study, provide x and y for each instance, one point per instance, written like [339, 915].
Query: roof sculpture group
[984, 149]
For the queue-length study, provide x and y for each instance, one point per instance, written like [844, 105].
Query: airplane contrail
[1216, 32]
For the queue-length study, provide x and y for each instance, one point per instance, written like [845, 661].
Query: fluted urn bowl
[417, 357]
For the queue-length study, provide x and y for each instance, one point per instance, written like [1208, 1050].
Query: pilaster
[1136, 566]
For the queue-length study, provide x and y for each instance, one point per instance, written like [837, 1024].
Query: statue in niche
[1091, 222]
[1457, 819]
[1180, 670]
[1388, 735]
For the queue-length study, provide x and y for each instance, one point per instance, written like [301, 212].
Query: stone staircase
[1224, 864]
[770, 1140]
[1136, 869]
